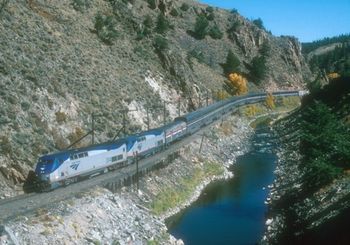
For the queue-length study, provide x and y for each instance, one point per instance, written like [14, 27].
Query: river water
[232, 211]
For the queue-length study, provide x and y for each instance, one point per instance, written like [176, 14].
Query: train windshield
[44, 166]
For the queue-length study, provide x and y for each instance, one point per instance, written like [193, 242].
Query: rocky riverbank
[310, 197]
[136, 216]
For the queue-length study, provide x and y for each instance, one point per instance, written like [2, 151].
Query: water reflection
[233, 211]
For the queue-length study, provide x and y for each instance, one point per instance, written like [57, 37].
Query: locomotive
[65, 167]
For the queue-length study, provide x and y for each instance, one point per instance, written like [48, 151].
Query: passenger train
[65, 167]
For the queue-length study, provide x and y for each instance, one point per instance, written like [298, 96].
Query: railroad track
[27, 203]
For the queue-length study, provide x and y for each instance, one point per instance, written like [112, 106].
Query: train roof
[107, 145]
[195, 114]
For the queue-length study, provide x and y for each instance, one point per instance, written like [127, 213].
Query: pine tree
[258, 69]
[162, 24]
[201, 27]
[232, 64]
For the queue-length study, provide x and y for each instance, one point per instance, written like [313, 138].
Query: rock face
[58, 65]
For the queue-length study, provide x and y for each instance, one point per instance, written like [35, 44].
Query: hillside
[329, 55]
[310, 198]
[61, 61]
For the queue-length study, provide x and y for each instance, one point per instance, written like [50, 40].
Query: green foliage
[311, 46]
[162, 25]
[130, 1]
[197, 54]
[160, 43]
[209, 13]
[215, 32]
[184, 7]
[5, 145]
[235, 26]
[143, 52]
[170, 197]
[209, 9]
[325, 145]
[61, 117]
[232, 64]
[148, 22]
[201, 27]
[337, 60]
[152, 242]
[315, 85]
[104, 26]
[146, 29]
[234, 11]
[258, 69]
[152, 4]
[319, 172]
[3, 5]
[81, 5]
[174, 12]
[265, 49]
[25, 105]
[259, 23]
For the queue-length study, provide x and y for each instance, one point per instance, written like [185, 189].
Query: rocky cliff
[61, 61]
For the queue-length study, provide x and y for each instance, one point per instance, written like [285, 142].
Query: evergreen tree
[258, 69]
[201, 27]
[215, 32]
[325, 145]
[162, 24]
[259, 23]
[232, 64]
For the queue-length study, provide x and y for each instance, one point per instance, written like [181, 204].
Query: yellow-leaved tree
[251, 110]
[221, 95]
[270, 101]
[238, 83]
[333, 75]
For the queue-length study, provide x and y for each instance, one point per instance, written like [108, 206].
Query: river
[232, 211]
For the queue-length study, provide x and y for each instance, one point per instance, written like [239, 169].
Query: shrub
[81, 5]
[265, 49]
[76, 135]
[5, 145]
[25, 106]
[160, 43]
[232, 64]
[215, 32]
[197, 54]
[3, 5]
[270, 101]
[221, 95]
[104, 26]
[152, 4]
[174, 12]
[201, 27]
[210, 13]
[148, 22]
[162, 24]
[184, 7]
[234, 27]
[61, 117]
[251, 110]
[209, 9]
